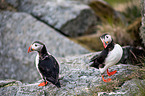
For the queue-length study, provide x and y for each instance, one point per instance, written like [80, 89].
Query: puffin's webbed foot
[43, 83]
[111, 73]
[106, 80]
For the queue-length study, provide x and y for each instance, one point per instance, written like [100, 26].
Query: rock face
[76, 78]
[70, 19]
[17, 32]
[142, 33]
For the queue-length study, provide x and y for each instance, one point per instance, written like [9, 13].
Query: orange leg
[43, 83]
[106, 80]
[111, 73]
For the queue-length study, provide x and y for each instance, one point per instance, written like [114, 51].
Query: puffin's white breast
[114, 56]
[37, 62]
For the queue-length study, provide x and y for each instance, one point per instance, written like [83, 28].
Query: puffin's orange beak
[104, 44]
[30, 49]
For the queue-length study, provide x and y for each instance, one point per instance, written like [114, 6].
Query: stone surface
[76, 78]
[17, 32]
[142, 33]
[69, 19]
[129, 88]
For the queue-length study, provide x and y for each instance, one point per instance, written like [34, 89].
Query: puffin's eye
[35, 45]
[106, 36]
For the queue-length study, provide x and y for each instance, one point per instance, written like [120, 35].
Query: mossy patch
[7, 83]
[105, 11]
[91, 42]
[4, 6]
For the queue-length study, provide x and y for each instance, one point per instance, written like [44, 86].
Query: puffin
[111, 55]
[46, 64]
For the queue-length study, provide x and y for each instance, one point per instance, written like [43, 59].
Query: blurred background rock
[85, 20]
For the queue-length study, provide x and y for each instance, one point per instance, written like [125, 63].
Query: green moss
[112, 2]
[141, 89]
[91, 42]
[131, 13]
[104, 11]
[8, 84]
[4, 6]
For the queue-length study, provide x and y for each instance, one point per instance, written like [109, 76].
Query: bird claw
[106, 80]
[111, 73]
[43, 84]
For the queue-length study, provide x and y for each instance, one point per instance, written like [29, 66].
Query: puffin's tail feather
[94, 64]
[58, 84]
[91, 64]
[94, 58]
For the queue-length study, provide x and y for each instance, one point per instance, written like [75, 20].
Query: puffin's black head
[36, 46]
[106, 39]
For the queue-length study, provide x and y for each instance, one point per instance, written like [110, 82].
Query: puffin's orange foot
[111, 73]
[43, 84]
[106, 80]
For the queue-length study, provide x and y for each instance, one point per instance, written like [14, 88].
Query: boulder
[76, 78]
[142, 33]
[69, 19]
[17, 32]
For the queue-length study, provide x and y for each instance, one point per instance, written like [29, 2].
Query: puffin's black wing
[49, 68]
[93, 58]
[99, 59]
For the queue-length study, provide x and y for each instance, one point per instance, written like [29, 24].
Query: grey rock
[17, 32]
[69, 18]
[76, 78]
[133, 87]
[129, 88]
[142, 33]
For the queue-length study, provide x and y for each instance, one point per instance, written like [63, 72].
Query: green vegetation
[141, 89]
[91, 42]
[113, 2]
[132, 12]
[124, 28]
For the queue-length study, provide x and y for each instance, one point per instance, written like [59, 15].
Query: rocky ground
[77, 78]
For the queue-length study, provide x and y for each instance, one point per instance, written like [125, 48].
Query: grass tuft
[141, 89]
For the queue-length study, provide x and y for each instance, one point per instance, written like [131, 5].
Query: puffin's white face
[106, 39]
[35, 47]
